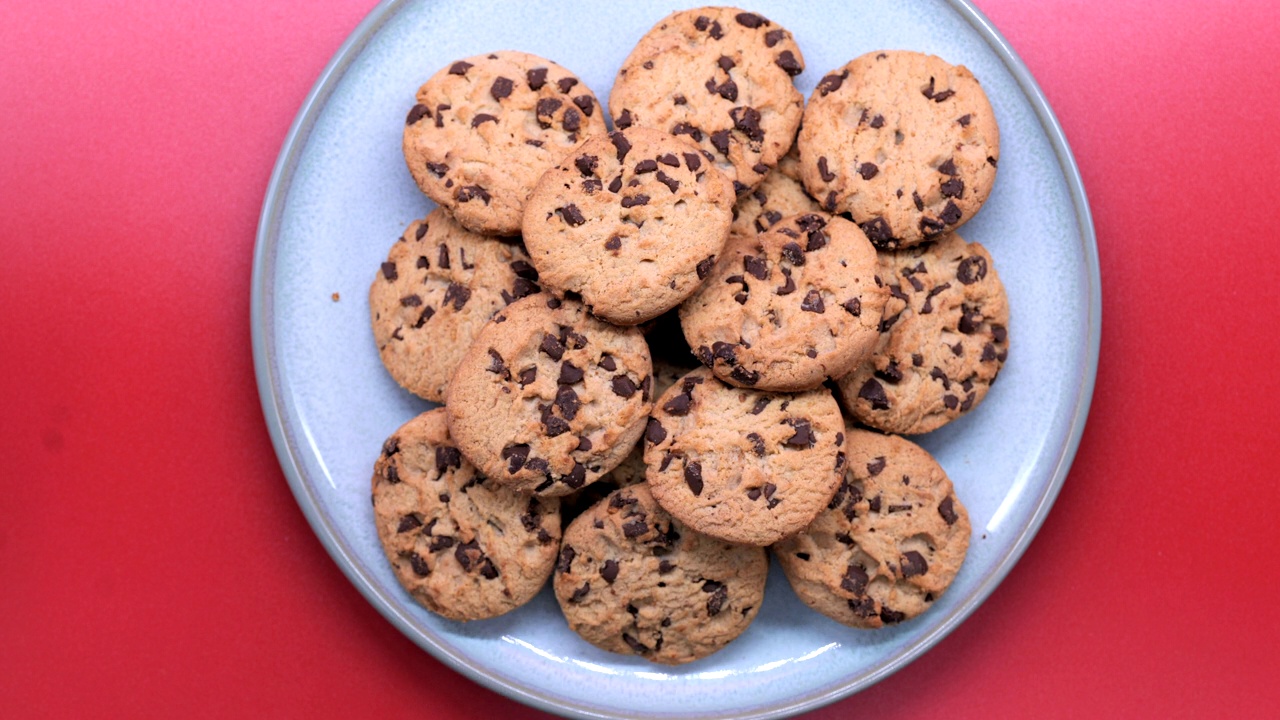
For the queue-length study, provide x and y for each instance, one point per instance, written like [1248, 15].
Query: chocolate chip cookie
[462, 546]
[721, 77]
[890, 542]
[904, 142]
[484, 129]
[632, 221]
[781, 194]
[943, 339]
[548, 398]
[742, 465]
[633, 580]
[440, 284]
[788, 308]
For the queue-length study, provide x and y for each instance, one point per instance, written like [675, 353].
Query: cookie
[463, 547]
[721, 77]
[440, 284]
[633, 580]
[788, 308]
[943, 339]
[781, 194]
[548, 398]
[904, 142]
[742, 465]
[890, 542]
[631, 221]
[484, 130]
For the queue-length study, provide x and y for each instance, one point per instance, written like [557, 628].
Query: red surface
[153, 561]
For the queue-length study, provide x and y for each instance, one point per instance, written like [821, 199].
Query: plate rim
[261, 322]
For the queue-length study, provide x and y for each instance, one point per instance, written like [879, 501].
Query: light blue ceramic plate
[341, 195]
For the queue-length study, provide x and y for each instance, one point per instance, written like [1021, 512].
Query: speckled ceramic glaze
[341, 194]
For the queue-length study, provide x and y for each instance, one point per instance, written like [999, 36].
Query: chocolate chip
[988, 352]
[567, 401]
[879, 233]
[620, 143]
[803, 436]
[646, 166]
[831, 83]
[948, 167]
[607, 362]
[586, 104]
[947, 510]
[726, 63]
[817, 241]
[457, 294]
[830, 203]
[567, 554]
[951, 401]
[720, 141]
[873, 392]
[915, 197]
[747, 121]
[552, 347]
[868, 170]
[992, 161]
[953, 188]
[931, 226]
[622, 386]
[586, 164]
[495, 363]
[970, 321]
[577, 477]
[951, 213]
[554, 426]
[624, 120]
[566, 84]
[418, 564]
[671, 183]
[572, 120]
[773, 37]
[571, 215]
[471, 192]
[789, 63]
[853, 307]
[389, 271]
[537, 465]
[482, 118]
[678, 405]
[745, 376]
[645, 386]
[793, 254]
[460, 68]
[580, 593]
[750, 20]
[635, 201]
[704, 266]
[813, 302]
[755, 267]
[719, 596]
[615, 185]
[654, 432]
[789, 286]
[855, 580]
[693, 477]
[964, 120]
[971, 270]
[757, 443]
[876, 466]
[609, 571]
[635, 528]
[501, 88]
[891, 617]
[890, 373]
[545, 108]
[409, 522]
[724, 351]
[570, 373]
[761, 404]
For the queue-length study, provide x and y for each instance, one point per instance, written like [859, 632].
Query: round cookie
[462, 546]
[548, 398]
[904, 142]
[889, 543]
[781, 194]
[722, 77]
[440, 284]
[788, 308]
[631, 221]
[484, 130]
[744, 466]
[633, 580]
[943, 338]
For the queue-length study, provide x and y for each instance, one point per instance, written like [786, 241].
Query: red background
[154, 563]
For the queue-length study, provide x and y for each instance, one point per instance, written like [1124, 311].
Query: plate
[341, 194]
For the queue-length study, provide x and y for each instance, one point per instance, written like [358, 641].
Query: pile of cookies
[663, 349]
